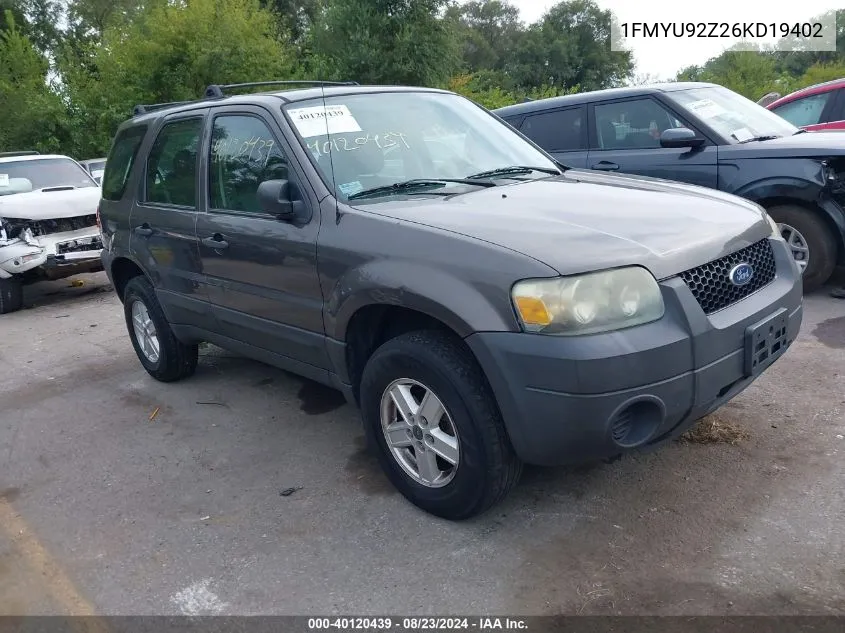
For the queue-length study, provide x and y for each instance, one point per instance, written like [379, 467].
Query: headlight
[775, 228]
[589, 303]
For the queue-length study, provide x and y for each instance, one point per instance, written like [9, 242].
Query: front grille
[75, 247]
[712, 287]
[63, 225]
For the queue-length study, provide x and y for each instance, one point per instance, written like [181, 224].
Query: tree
[33, 115]
[295, 17]
[487, 29]
[385, 42]
[171, 51]
[569, 46]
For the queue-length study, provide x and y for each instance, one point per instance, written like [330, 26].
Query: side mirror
[281, 199]
[680, 137]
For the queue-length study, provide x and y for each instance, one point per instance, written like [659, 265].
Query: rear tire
[486, 466]
[819, 240]
[11, 295]
[166, 359]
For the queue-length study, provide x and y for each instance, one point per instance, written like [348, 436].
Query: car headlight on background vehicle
[589, 303]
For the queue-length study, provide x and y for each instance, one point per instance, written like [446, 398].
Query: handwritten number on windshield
[345, 144]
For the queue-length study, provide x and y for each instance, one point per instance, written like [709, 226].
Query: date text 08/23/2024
[481, 623]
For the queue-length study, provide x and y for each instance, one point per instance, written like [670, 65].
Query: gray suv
[481, 304]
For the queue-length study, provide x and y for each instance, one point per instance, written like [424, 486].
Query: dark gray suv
[481, 304]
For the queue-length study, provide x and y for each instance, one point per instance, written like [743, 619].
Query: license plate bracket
[765, 342]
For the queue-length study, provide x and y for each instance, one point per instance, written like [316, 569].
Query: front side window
[120, 161]
[244, 153]
[363, 141]
[635, 124]
[732, 116]
[804, 111]
[558, 131]
[23, 176]
[171, 175]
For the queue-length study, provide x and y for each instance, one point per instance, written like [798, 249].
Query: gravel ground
[120, 495]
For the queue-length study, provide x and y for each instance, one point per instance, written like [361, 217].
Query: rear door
[162, 224]
[561, 132]
[261, 272]
[625, 138]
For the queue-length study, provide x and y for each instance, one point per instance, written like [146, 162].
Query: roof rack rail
[216, 91]
[21, 153]
[142, 108]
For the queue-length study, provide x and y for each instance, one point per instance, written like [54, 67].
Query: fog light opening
[635, 422]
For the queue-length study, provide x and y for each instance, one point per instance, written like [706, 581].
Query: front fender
[782, 187]
[463, 307]
[804, 190]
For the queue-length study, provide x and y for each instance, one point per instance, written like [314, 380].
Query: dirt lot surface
[120, 495]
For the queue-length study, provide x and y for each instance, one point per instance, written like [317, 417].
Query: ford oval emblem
[741, 274]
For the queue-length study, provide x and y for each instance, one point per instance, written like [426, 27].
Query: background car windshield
[733, 116]
[43, 173]
[381, 139]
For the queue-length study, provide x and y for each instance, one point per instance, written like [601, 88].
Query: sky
[663, 59]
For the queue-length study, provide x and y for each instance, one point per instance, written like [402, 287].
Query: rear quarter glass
[120, 161]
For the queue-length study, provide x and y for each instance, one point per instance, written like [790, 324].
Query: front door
[625, 138]
[261, 272]
[162, 225]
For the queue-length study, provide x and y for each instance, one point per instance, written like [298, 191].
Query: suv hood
[583, 221]
[50, 205]
[804, 145]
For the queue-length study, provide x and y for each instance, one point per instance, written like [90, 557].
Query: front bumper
[57, 254]
[574, 399]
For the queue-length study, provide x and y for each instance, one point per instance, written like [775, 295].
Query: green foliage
[491, 95]
[169, 52]
[33, 114]
[384, 42]
[569, 47]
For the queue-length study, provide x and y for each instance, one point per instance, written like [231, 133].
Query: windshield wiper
[514, 169]
[769, 137]
[415, 184]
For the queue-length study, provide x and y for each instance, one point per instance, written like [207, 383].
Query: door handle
[215, 241]
[605, 166]
[144, 230]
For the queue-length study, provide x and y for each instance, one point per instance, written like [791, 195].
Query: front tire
[11, 295]
[163, 356]
[811, 242]
[440, 438]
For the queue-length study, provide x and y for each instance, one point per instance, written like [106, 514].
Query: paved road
[103, 510]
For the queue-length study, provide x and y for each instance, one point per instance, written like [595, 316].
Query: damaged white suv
[48, 222]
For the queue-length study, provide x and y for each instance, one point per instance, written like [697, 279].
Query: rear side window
[171, 174]
[559, 131]
[120, 161]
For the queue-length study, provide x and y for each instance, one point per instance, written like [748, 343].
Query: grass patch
[715, 429]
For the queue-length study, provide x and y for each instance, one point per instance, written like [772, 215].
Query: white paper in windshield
[742, 134]
[706, 109]
[313, 121]
[4, 180]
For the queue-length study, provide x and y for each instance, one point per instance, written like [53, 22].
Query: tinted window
[632, 124]
[244, 153]
[805, 111]
[171, 176]
[120, 161]
[557, 131]
[42, 173]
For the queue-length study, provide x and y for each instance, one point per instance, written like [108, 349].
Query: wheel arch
[123, 270]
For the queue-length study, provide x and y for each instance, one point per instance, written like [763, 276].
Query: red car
[819, 107]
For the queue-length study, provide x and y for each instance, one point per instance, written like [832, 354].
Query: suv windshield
[731, 115]
[366, 141]
[31, 175]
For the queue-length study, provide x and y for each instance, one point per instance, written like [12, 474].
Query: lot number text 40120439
[416, 624]
[756, 30]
